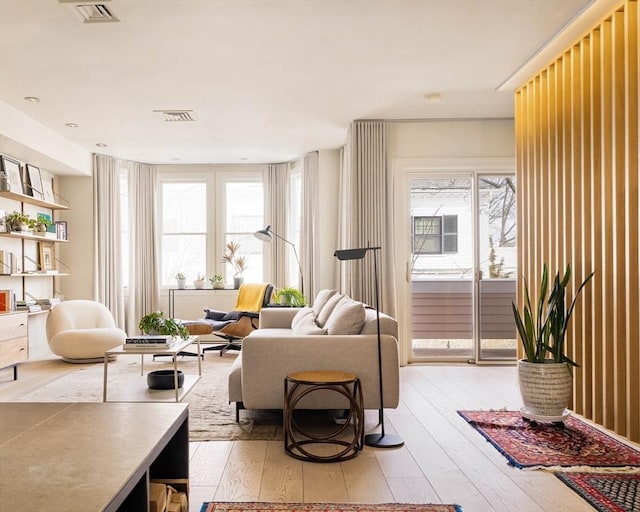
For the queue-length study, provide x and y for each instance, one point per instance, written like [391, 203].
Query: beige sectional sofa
[337, 333]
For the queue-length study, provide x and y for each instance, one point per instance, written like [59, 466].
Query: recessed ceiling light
[175, 159]
[101, 145]
[434, 97]
[72, 125]
[243, 158]
[32, 99]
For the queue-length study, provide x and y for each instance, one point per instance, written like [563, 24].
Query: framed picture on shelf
[33, 183]
[11, 168]
[47, 256]
[47, 189]
[61, 229]
[3, 222]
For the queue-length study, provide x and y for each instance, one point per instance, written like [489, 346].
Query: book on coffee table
[149, 341]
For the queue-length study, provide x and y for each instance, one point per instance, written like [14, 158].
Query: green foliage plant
[156, 323]
[15, 219]
[543, 330]
[291, 297]
[216, 279]
[180, 276]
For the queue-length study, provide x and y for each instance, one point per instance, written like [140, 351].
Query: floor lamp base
[383, 440]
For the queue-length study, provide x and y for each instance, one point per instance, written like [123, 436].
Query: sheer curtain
[309, 224]
[143, 253]
[278, 186]
[366, 194]
[107, 245]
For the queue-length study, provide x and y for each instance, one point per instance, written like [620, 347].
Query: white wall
[488, 138]
[78, 253]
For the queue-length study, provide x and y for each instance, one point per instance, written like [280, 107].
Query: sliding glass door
[461, 266]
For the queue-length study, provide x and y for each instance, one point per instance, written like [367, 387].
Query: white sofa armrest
[277, 318]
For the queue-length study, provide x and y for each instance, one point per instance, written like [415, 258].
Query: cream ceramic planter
[545, 388]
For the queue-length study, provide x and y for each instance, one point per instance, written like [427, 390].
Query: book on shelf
[6, 301]
[8, 262]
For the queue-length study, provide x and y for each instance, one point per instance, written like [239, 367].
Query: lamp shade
[264, 234]
[351, 254]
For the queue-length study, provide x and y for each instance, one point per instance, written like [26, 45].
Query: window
[435, 234]
[183, 239]
[243, 216]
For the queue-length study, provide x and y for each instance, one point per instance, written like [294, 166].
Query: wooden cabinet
[14, 346]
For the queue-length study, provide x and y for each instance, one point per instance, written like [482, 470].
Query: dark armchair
[233, 326]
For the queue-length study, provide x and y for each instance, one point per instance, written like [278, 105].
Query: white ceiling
[268, 80]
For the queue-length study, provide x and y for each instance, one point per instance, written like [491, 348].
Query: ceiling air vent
[92, 12]
[176, 115]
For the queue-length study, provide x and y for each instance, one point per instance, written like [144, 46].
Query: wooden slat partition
[578, 203]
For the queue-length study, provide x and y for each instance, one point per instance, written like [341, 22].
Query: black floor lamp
[266, 236]
[381, 440]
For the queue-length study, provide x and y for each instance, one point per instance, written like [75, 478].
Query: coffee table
[138, 391]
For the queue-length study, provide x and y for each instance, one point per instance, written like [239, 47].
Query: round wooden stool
[296, 440]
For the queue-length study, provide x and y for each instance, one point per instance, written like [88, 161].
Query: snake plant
[543, 330]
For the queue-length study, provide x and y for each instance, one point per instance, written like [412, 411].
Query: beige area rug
[211, 417]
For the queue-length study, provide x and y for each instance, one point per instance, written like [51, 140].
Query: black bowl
[163, 379]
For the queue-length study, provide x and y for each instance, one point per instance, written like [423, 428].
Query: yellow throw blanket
[251, 297]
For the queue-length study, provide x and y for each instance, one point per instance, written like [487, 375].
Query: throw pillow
[347, 318]
[327, 309]
[307, 326]
[300, 315]
[321, 299]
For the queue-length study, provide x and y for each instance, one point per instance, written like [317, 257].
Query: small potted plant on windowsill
[217, 282]
[181, 280]
[198, 282]
[239, 263]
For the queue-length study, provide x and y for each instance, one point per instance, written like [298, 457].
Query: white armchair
[80, 331]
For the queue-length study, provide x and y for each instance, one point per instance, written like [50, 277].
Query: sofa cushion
[321, 299]
[346, 318]
[327, 309]
[308, 326]
[300, 317]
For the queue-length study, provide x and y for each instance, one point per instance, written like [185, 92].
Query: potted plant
[156, 323]
[198, 282]
[217, 281]
[290, 296]
[239, 263]
[18, 221]
[544, 374]
[181, 280]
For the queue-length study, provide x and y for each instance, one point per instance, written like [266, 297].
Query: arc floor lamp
[267, 234]
[382, 439]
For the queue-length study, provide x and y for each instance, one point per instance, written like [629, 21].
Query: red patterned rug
[606, 492]
[325, 507]
[542, 445]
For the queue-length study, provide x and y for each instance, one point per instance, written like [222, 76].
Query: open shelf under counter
[23, 198]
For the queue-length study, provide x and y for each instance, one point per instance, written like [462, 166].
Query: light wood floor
[443, 459]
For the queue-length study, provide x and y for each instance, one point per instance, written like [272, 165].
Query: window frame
[215, 178]
[442, 236]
